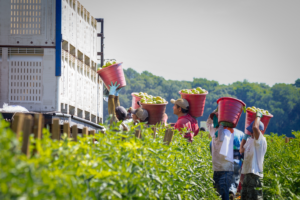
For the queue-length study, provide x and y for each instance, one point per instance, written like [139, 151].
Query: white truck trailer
[48, 59]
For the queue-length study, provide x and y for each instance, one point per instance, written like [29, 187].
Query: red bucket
[250, 117]
[155, 111]
[196, 103]
[112, 74]
[135, 99]
[230, 110]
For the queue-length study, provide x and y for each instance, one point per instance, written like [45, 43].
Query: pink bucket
[156, 112]
[230, 110]
[196, 103]
[250, 117]
[112, 74]
[135, 99]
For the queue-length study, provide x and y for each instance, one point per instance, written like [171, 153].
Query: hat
[140, 113]
[183, 103]
[261, 127]
[121, 111]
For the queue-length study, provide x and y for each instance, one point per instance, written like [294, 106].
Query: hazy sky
[222, 40]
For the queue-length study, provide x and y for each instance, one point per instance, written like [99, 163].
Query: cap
[261, 127]
[183, 103]
[121, 111]
[140, 113]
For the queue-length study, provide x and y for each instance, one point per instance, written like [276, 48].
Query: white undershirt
[255, 151]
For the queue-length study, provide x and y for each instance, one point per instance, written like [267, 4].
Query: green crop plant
[116, 166]
[282, 168]
[120, 166]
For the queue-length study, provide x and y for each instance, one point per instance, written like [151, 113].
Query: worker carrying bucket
[226, 158]
[185, 120]
[117, 112]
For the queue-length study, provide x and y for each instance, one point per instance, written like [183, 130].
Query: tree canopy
[281, 100]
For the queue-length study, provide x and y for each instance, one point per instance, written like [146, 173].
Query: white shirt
[255, 151]
[219, 161]
[227, 146]
[125, 123]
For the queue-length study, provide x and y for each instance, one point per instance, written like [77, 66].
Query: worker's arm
[244, 140]
[242, 149]
[117, 102]
[112, 103]
[255, 126]
[111, 109]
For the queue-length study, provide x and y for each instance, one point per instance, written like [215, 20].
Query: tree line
[281, 100]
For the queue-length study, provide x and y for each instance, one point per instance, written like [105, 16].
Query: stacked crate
[28, 71]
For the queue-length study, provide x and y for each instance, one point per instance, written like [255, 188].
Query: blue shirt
[238, 137]
[246, 137]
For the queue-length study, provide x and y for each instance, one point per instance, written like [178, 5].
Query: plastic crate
[27, 70]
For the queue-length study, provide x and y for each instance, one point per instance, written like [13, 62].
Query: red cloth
[191, 125]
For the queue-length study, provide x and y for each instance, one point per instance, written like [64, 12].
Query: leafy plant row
[282, 168]
[116, 166]
[121, 166]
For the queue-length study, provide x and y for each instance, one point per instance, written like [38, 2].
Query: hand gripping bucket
[155, 111]
[112, 74]
[230, 110]
[250, 117]
[135, 99]
[196, 103]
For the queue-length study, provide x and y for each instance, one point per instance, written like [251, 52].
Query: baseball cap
[140, 113]
[183, 103]
[121, 111]
[261, 127]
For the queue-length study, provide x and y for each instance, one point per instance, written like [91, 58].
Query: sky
[221, 40]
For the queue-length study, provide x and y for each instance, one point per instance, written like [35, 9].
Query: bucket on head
[250, 117]
[230, 110]
[155, 111]
[135, 99]
[196, 103]
[112, 74]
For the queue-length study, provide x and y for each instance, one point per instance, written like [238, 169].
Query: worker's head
[181, 106]
[261, 127]
[140, 115]
[214, 113]
[121, 113]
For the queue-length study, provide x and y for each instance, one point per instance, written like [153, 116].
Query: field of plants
[121, 166]
[282, 168]
[118, 166]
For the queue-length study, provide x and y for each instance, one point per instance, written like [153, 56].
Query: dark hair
[120, 115]
[202, 129]
[183, 110]
[146, 120]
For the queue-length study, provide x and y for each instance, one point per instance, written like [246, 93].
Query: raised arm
[117, 102]
[112, 103]
[255, 126]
